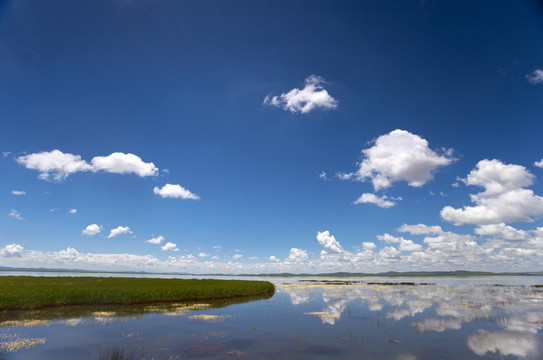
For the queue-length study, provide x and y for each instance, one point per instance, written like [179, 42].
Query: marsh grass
[28, 292]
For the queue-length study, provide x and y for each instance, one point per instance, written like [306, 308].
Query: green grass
[28, 292]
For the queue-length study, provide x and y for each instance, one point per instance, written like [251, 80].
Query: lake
[400, 318]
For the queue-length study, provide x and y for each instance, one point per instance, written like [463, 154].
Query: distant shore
[32, 292]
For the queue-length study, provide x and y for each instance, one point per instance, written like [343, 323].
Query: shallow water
[403, 318]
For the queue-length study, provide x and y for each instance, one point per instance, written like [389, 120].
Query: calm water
[437, 318]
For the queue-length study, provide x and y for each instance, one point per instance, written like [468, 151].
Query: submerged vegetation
[28, 292]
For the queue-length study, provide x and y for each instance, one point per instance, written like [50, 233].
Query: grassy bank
[28, 292]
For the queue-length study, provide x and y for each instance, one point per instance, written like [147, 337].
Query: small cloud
[368, 245]
[203, 254]
[217, 247]
[253, 258]
[237, 256]
[273, 259]
[175, 191]
[400, 156]
[323, 176]
[455, 184]
[311, 97]
[165, 171]
[18, 192]
[169, 247]
[6, 153]
[118, 231]
[72, 211]
[92, 230]
[368, 198]
[539, 163]
[56, 165]
[53, 210]
[156, 240]
[11, 250]
[215, 257]
[536, 77]
[297, 255]
[15, 214]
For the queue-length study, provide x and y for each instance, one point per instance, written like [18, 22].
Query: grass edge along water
[29, 292]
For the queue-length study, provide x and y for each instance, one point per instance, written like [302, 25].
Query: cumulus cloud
[15, 214]
[502, 231]
[156, 240]
[311, 97]
[297, 255]
[18, 192]
[11, 250]
[91, 230]
[399, 156]
[368, 198]
[329, 242]
[420, 229]
[121, 163]
[118, 231]
[539, 163]
[404, 244]
[56, 165]
[203, 254]
[323, 176]
[504, 199]
[169, 247]
[273, 259]
[536, 77]
[72, 211]
[175, 191]
[368, 245]
[237, 256]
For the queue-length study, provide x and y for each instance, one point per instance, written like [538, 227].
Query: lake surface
[400, 318]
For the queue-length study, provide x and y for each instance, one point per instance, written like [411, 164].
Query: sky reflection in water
[472, 318]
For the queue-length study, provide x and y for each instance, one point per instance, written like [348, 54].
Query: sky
[271, 136]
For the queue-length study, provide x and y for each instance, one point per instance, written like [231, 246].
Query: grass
[29, 292]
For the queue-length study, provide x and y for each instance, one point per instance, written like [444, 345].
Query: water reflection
[509, 316]
[415, 319]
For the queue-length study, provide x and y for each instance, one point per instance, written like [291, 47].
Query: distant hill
[335, 274]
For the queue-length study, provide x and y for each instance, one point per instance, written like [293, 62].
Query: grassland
[28, 292]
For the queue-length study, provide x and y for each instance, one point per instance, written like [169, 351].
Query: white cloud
[18, 192]
[400, 156]
[91, 230]
[539, 163]
[297, 255]
[156, 240]
[368, 246]
[15, 214]
[501, 231]
[311, 97]
[203, 254]
[253, 258]
[54, 164]
[329, 242]
[420, 229]
[237, 256]
[504, 198]
[536, 77]
[215, 257]
[175, 191]
[508, 342]
[404, 244]
[273, 259]
[6, 153]
[323, 176]
[121, 163]
[72, 211]
[169, 247]
[368, 198]
[217, 247]
[118, 231]
[11, 250]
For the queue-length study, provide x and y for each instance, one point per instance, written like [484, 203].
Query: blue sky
[270, 136]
